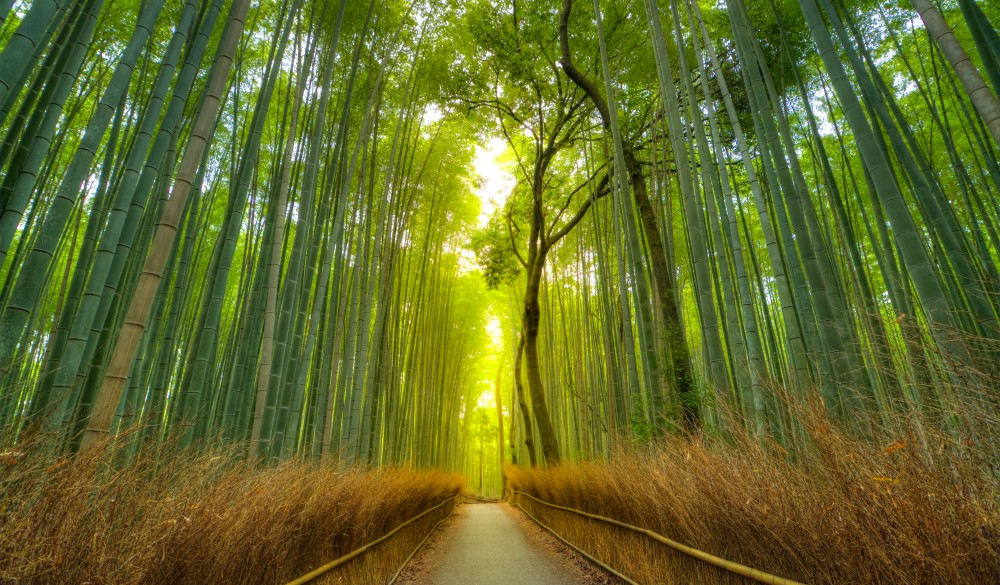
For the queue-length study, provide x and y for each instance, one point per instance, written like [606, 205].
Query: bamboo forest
[707, 290]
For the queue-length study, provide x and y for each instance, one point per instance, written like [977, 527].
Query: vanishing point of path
[495, 544]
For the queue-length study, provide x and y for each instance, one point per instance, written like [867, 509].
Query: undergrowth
[165, 516]
[890, 508]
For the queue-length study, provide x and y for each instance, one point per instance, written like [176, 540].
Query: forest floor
[487, 544]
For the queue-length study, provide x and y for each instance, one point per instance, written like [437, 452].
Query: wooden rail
[483, 500]
[592, 558]
[420, 544]
[732, 567]
[309, 577]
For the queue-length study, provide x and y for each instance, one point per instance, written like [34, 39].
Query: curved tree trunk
[522, 402]
[532, 317]
[680, 359]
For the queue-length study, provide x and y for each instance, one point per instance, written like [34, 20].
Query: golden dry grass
[205, 517]
[881, 510]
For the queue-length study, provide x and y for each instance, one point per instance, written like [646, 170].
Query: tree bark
[522, 402]
[532, 317]
[680, 357]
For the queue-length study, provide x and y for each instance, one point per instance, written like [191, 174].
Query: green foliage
[495, 253]
[394, 332]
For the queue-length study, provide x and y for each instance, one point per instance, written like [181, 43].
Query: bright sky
[493, 329]
[497, 183]
[492, 189]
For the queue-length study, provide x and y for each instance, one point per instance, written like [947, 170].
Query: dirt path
[487, 544]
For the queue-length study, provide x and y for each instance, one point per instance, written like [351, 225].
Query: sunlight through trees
[455, 234]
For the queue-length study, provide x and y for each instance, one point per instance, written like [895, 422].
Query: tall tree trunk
[522, 403]
[680, 360]
[532, 319]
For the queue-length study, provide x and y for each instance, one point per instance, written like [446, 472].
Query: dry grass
[881, 510]
[202, 517]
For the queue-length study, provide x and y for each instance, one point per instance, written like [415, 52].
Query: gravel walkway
[495, 544]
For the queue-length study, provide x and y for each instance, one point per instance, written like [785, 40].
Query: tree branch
[569, 199]
[602, 190]
[513, 243]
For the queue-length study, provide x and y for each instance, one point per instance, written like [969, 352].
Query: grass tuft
[165, 516]
[886, 509]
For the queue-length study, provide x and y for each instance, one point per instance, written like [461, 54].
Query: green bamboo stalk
[99, 422]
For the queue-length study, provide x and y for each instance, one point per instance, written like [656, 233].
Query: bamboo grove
[256, 222]
[206, 225]
[787, 202]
